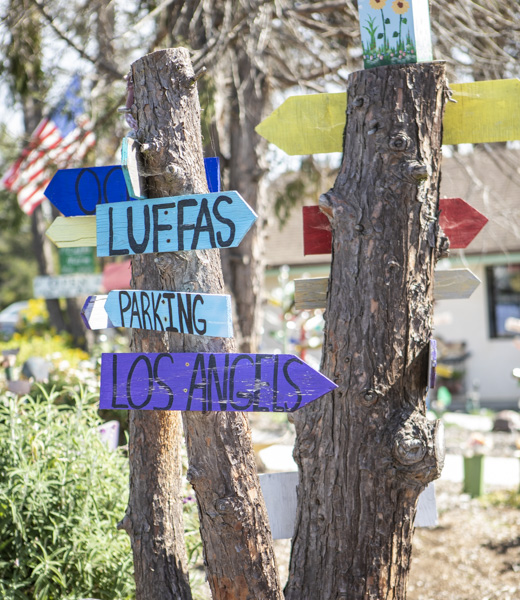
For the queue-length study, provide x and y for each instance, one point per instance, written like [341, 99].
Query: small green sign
[77, 260]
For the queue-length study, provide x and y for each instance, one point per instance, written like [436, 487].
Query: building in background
[477, 352]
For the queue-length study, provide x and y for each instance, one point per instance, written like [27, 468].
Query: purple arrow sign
[209, 382]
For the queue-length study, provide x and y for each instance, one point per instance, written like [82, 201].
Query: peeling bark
[366, 451]
[237, 540]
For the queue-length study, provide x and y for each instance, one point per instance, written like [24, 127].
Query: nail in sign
[209, 382]
[195, 222]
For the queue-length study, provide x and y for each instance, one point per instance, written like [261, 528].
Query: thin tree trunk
[244, 266]
[43, 252]
[237, 540]
[366, 451]
[26, 41]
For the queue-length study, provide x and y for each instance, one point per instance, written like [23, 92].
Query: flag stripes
[57, 142]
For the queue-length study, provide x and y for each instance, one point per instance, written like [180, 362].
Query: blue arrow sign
[209, 382]
[195, 222]
[77, 192]
[181, 312]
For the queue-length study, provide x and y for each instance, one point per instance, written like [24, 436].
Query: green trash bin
[474, 475]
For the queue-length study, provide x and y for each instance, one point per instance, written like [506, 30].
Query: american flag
[60, 140]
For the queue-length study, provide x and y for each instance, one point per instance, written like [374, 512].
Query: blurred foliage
[68, 365]
[17, 262]
[295, 188]
[62, 492]
[502, 498]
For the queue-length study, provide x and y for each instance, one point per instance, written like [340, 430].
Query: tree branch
[99, 62]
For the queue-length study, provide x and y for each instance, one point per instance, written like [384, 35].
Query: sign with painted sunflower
[395, 32]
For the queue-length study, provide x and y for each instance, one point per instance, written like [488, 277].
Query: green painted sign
[77, 260]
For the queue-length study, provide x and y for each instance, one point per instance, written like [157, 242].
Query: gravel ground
[474, 553]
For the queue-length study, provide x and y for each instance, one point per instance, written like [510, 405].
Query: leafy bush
[61, 494]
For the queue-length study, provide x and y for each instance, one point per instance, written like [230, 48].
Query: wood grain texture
[221, 382]
[279, 491]
[222, 467]
[450, 284]
[460, 221]
[483, 111]
[77, 192]
[455, 284]
[366, 451]
[70, 232]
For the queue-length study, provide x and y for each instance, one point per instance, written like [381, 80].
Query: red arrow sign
[459, 221]
[317, 235]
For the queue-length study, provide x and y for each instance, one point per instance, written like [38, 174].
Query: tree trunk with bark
[244, 266]
[43, 252]
[366, 451]
[237, 540]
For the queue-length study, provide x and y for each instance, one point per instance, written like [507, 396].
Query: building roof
[488, 179]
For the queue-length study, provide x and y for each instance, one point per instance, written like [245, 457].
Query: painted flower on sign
[399, 6]
[377, 4]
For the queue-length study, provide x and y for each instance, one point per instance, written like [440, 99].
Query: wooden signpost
[459, 221]
[483, 111]
[77, 192]
[455, 284]
[131, 165]
[77, 260]
[181, 312]
[209, 382]
[94, 314]
[450, 284]
[73, 232]
[194, 222]
[395, 35]
[279, 490]
[65, 286]
[117, 276]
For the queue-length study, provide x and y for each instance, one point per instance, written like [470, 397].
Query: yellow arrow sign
[485, 111]
[71, 232]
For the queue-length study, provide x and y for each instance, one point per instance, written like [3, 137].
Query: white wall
[492, 360]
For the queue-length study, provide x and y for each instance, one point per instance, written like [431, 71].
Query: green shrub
[62, 493]
[503, 499]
